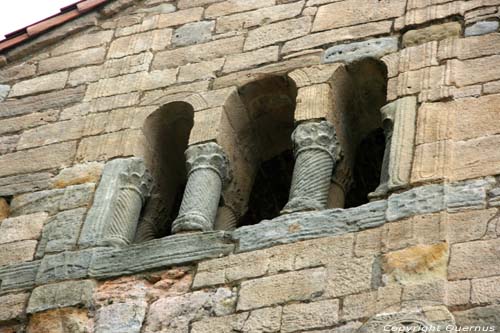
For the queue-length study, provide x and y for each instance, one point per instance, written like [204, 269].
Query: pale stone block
[294, 286]
[4, 91]
[198, 53]
[39, 84]
[246, 60]
[277, 32]
[418, 57]
[59, 295]
[368, 242]
[432, 291]
[83, 41]
[61, 232]
[26, 227]
[314, 102]
[352, 12]
[180, 17]
[17, 252]
[467, 72]
[431, 161]
[193, 33]
[71, 60]
[485, 316]
[432, 33]
[152, 40]
[306, 316]
[359, 306]
[313, 75]
[195, 3]
[429, 82]
[485, 290]
[54, 156]
[121, 317]
[435, 11]
[481, 28]
[412, 4]
[56, 321]
[458, 292]
[17, 72]
[25, 122]
[348, 276]
[8, 144]
[492, 87]
[474, 260]
[51, 133]
[207, 125]
[475, 158]
[78, 174]
[101, 104]
[373, 48]
[200, 71]
[235, 6]
[12, 306]
[255, 18]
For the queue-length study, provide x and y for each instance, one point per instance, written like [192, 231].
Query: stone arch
[167, 133]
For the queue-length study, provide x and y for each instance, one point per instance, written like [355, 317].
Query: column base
[191, 222]
[301, 205]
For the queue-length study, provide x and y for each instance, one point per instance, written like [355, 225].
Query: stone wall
[78, 96]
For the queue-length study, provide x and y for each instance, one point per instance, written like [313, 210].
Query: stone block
[235, 6]
[475, 158]
[4, 209]
[118, 144]
[121, 317]
[51, 133]
[432, 33]
[306, 316]
[65, 266]
[491, 87]
[472, 71]
[256, 17]
[100, 104]
[78, 174]
[13, 306]
[155, 40]
[485, 290]
[372, 48]
[31, 104]
[420, 200]
[297, 227]
[487, 316]
[302, 285]
[481, 28]
[200, 71]
[347, 276]
[17, 72]
[39, 84]
[179, 17]
[353, 12]
[416, 264]
[12, 125]
[12, 253]
[195, 3]
[470, 194]
[277, 32]
[71, 60]
[458, 292]
[250, 59]
[61, 232]
[368, 242]
[57, 320]
[413, 58]
[360, 305]
[33, 160]
[431, 291]
[82, 41]
[17, 277]
[26, 227]
[225, 324]
[434, 11]
[4, 91]
[198, 53]
[63, 294]
[474, 259]
[168, 251]
[193, 33]
[429, 82]
[8, 144]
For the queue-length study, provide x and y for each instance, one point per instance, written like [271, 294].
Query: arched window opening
[167, 132]
[270, 103]
[366, 144]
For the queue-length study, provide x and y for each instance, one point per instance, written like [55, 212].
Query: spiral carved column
[207, 167]
[131, 198]
[316, 152]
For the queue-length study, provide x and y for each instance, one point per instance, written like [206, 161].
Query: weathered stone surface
[173, 314]
[78, 174]
[434, 32]
[17, 72]
[52, 100]
[467, 194]
[474, 259]
[17, 252]
[420, 200]
[4, 91]
[305, 316]
[302, 285]
[348, 276]
[152, 40]
[467, 226]
[121, 317]
[4, 209]
[71, 60]
[246, 60]
[61, 232]
[8, 144]
[485, 290]
[352, 12]
[301, 226]
[481, 28]
[65, 266]
[196, 53]
[467, 72]
[458, 292]
[59, 295]
[235, 6]
[254, 18]
[193, 33]
[39, 84]
[416, 264]
[488, 316]
[195, 3]
[200, 71]
[373, 48]
[277, 32]
[168, 251]
[100, 104]
[18, 276]
[13, 306]
[12, 125]
[22, 228]
[60, 321]
[83, 41]
[429, 82]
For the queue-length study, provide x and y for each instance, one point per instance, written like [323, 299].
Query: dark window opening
[5, 207]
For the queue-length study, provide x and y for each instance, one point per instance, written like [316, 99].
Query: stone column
[316, 152]
[207, 167]
[131, 198]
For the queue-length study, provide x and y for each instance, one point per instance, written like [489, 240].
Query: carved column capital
[316, 135]
[140, 182]
[208, 156]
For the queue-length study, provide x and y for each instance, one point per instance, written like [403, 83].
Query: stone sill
[178, 250]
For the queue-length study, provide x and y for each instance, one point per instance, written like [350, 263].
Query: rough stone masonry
[97, 113]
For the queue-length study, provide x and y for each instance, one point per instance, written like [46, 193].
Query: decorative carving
[398, 119]
[154, 220]
[227, 218]
[316, 152]
[415, 320]
[208, 170]
[122, 192]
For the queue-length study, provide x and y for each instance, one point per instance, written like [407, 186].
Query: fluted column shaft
[207, 167]
[316, 152]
